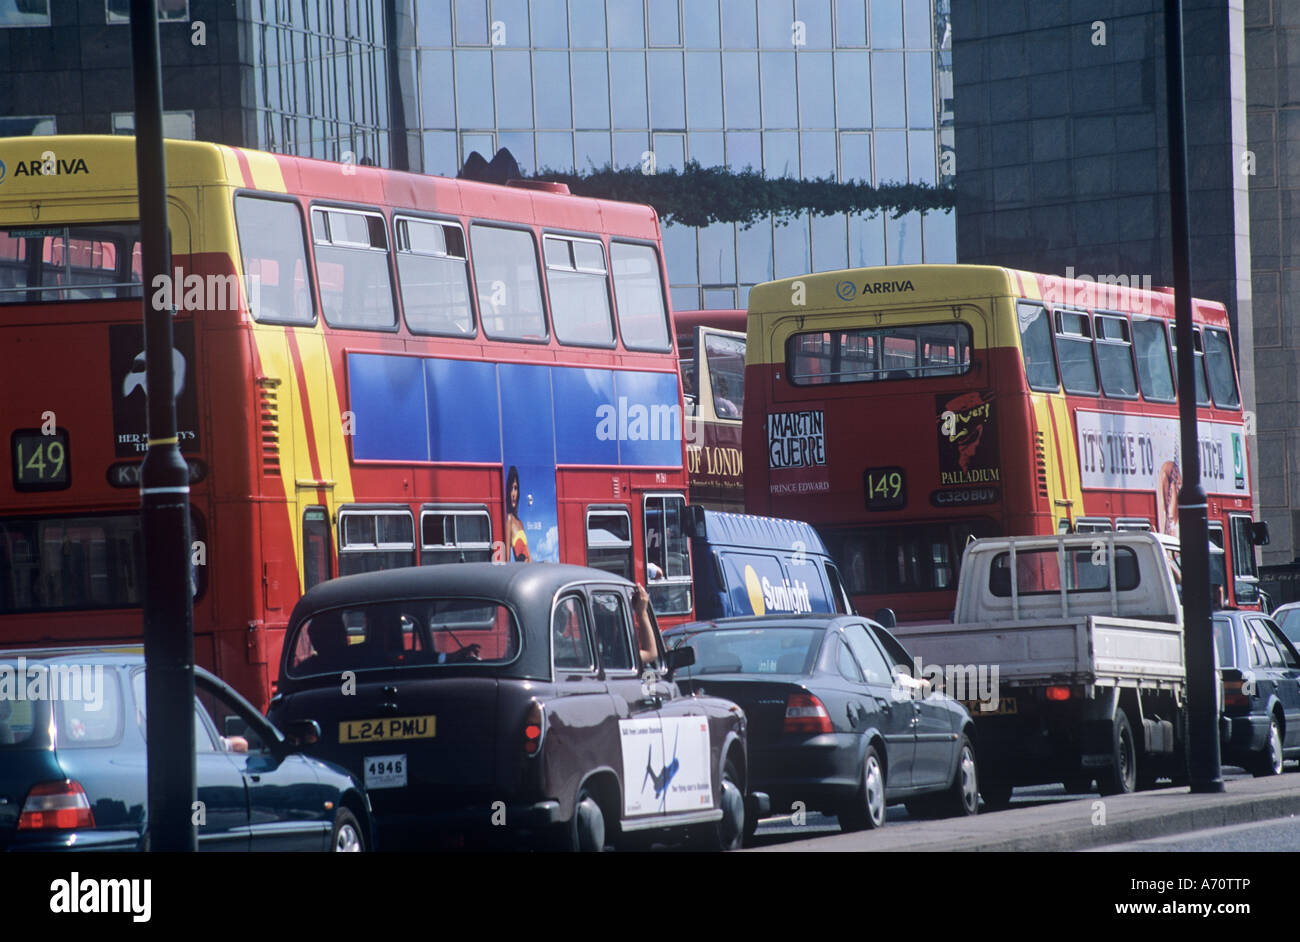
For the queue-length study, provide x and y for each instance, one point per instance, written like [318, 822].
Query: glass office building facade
[842, 89]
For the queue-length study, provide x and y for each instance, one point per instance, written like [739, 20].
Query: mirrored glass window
[866, 240]
[830, 242]
[891, 157]
[740, 82]
[815, 18]
[667, 94]
[754, 251]
[850, 23]
[718, 254]
[704, 84]
[816, 90]
[555, 151]
[514, 89]
[512, 15]
[471, 22]
[903, 239]
[780, 98]
[626, 23]
[551, 76]
[437, 108]
[853, 89]
[920, 90]
[590, 90]
[587, 25]
[886, 24]
[775, 20]
[550, 24]
[700, 22]
[887, 103]
[627, 89]
[665, 23]
[433, 23]
[781, 155]
[739, 24]
[792, 248]
[744, 150]
[474, 89]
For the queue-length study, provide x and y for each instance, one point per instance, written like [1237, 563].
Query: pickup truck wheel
[963, 795]
[867, 810]
[1121, 777]
[996, 795]
[1269, 760]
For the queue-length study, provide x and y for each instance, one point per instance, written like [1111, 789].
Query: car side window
[1271, 649]
[1279, 639]
[613, 639]
[1223, 639]
[203, 741]
[873, 663]
[848, 667]
[234, 733]
[570, 635]
[1259, 656]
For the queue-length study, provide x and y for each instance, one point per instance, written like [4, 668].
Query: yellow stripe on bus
[1069, 454]
[326, 418]
[266, 172]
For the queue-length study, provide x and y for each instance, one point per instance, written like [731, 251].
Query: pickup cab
[1074, 646]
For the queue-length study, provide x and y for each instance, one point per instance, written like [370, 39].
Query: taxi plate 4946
[383, 730]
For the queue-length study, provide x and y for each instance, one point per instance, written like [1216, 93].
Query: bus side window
[1036, 347]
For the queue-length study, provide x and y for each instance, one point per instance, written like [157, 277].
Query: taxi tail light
[56, 806]
[1058, 692]
[805, 714]
[534, 729]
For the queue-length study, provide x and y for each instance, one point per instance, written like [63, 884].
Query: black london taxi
[515, 701]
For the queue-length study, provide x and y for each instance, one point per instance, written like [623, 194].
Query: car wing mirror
[302, 733]
[678, 657]
[1259, 533]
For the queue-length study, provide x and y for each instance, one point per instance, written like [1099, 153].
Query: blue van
[748, 565]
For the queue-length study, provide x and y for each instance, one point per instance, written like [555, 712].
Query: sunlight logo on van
[788, 596]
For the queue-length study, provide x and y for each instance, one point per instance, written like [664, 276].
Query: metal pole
[1198, 640]
[164, 482]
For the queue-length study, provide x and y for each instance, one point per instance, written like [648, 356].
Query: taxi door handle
[388, 690]
[884, 704]
[388, 707]
[255, 778]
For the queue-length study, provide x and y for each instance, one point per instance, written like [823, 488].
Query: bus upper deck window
[726, 359]
[509, 289]
[1115, 357]
[1074, 350]
[352, 268]
[639, 294]
[1152, 349]
[1198, 361]
[1218, 362]
[1036, 347]
[579, 290]
[275, 260]
[433, 277]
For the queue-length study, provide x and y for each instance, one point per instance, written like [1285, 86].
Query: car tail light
[534, 729]
[54, 806]
[805, 714]
[1235, 694]
[1058, 693]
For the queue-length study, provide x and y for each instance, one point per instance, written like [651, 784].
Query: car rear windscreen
[417, 632]
[754, 651]
[86, 698]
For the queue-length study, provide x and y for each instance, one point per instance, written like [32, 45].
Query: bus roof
[832, 291]
[99, 165]
[684, 321]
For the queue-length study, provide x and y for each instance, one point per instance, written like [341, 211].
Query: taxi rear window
[415, 633]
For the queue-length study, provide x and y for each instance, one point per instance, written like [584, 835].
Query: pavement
[1077, 825]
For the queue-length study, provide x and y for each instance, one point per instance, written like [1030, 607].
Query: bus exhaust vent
[268, 396]
[1040, 464]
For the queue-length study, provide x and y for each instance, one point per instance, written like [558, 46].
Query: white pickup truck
[1077, 643]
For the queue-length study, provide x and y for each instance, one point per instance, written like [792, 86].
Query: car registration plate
[1006, 706]
[398, 727]
[385, 771]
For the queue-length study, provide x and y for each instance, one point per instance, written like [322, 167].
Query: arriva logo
[846, 290]
[4, 171]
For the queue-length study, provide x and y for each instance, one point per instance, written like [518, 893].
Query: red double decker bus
[904, 410]
[374, 369]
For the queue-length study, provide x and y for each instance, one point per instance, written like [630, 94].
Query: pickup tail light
[534, 729]
[56, 806]
[805, 714]
[1058, 692]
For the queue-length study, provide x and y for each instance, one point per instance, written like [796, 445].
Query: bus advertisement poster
[968, 438]
[128, 391]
